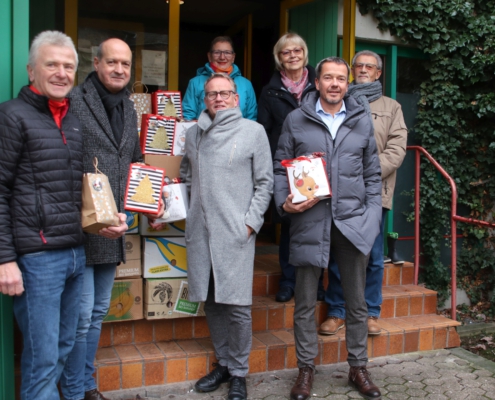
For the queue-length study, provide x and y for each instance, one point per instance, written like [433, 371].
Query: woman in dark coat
[292, 81]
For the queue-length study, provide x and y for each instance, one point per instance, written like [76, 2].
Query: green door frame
[14, 45]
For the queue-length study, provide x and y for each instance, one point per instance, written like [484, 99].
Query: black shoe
[284, 294]
[237, 389]
[213, 380]
[320, 296]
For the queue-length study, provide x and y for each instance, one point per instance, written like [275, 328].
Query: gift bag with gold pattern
[142, 102]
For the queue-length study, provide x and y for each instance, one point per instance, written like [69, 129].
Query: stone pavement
[439, 374]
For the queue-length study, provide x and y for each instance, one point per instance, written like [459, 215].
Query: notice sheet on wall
[153, 64]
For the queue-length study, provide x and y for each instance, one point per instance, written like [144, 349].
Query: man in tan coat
[391, 138]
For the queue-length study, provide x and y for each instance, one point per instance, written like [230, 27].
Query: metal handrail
[418, 150]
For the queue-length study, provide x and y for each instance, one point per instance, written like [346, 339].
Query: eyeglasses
[369, 67]
[224, 94]
[297, 52]
[218, 53]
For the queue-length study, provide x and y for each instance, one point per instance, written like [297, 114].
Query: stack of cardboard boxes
[154, 277]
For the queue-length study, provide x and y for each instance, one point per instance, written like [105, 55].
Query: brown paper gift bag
[142, 102]
[98, 205]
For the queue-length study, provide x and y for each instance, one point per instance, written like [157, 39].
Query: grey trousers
[230, 331]
[352, 267]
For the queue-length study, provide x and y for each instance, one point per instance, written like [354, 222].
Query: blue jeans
[288, 276]
[47, 314]
[334, 296]
[77, 377]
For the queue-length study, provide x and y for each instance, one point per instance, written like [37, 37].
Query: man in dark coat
[109, 131]
[41, 239]
[345, 225]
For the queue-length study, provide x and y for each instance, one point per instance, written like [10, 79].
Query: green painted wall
[316, 22]
[14, 47]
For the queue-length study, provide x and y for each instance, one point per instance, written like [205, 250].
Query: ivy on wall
[456, 124]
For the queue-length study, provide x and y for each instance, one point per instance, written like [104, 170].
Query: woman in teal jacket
[220, 59]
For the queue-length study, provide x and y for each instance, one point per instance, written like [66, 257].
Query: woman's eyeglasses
[296, 52]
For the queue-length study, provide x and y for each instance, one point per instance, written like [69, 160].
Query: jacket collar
[95, 104]
[38, 101]
[277, 85]
[222, 118]
[354, 112]
[207, 71]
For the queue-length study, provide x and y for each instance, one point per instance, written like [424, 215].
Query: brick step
[267, 274]
[398, 301]
[147, 364]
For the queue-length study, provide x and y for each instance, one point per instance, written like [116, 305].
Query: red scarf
[227, 71]
[57, 108]
[295, 88]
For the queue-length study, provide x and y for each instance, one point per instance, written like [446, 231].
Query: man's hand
[161, 211]
[11, 279]
[291, 208]
[114, 232]
[250, 230]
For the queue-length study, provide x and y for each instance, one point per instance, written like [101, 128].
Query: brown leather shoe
[373, 327]
[94, 395]
[360, 378]
[331, 326]
[304, 382]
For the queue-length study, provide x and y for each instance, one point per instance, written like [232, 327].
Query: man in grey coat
[228, 170]
[109, 133]
[345, 225]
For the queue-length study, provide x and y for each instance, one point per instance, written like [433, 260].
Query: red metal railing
[418, 150]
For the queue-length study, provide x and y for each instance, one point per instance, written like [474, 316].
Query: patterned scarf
[227, 71]
[295, 88]
[366, 93]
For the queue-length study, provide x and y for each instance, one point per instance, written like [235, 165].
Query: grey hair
[50, 38]
[335, 60]
[283, 42]
[379, 63]
[224, 76]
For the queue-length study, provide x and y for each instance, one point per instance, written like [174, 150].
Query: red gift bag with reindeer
[307, 176]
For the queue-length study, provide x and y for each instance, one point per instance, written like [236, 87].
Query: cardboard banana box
[132, 266]
[132, 222]
[177, 228]
[164, 257]
[168, 298]
[126, 301]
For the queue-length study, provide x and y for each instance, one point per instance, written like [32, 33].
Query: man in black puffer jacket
[41, 239]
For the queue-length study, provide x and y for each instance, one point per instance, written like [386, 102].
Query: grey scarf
[364, 94]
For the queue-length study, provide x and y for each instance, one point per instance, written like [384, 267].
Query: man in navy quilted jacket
[41, 239]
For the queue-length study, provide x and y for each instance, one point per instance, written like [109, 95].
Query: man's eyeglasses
[226, 53]
[369, 67]
[297, 52]
[224, 94]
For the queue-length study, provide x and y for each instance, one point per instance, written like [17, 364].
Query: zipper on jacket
[41, 222]
[43, 237]
[63, 136]
[232, 152]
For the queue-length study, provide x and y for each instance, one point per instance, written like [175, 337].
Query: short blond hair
[283, 42]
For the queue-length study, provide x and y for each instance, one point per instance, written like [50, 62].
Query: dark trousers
[288, 276]
[230, 330]
[352, 267]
